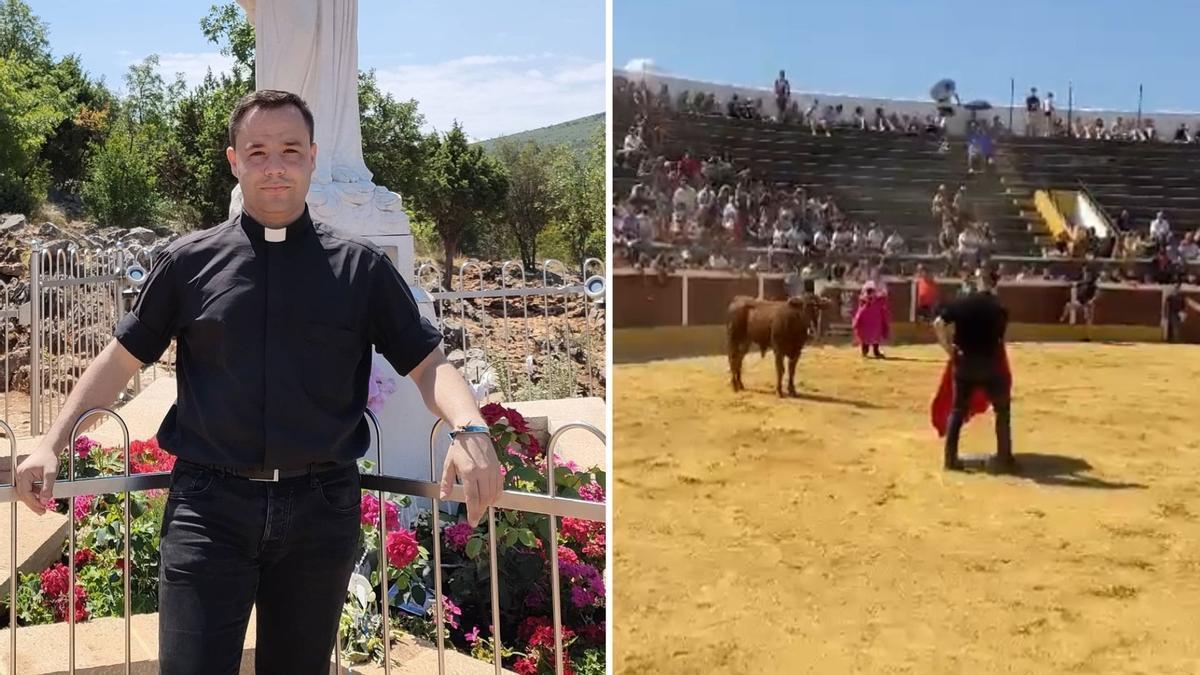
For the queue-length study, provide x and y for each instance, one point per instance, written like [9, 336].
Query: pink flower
[457, 535]
[84, 445]
[379, 390]
[452, 611]
[473, 635]
[592, 492]
[83, 506]
[402, 548]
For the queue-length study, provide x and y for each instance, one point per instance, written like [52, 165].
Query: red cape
[943, 401]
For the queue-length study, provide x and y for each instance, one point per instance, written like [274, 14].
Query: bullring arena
[820, 534]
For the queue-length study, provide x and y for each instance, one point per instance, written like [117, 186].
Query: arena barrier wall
[683, 314]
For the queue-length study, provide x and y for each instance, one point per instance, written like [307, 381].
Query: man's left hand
[472, 458]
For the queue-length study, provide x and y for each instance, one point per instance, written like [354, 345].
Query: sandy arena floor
[820, 535]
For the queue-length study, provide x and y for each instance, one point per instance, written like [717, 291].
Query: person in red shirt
[928, 295]
[690, 167]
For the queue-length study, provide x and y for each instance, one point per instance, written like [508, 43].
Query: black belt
[272, 475]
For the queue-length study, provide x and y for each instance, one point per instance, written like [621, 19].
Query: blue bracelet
[469, 429]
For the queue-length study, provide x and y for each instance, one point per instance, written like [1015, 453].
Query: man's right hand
[41, 466]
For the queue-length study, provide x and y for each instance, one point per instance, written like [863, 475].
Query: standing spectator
[1033, 109]
[1175, 309]
[1048, 113]
[783, 95]
[938, 207]
[948, 239]
[1086, 292]
[928, 295]
[1124, 223]
[1182, 135]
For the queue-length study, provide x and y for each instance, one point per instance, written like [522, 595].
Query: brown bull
[782, 326]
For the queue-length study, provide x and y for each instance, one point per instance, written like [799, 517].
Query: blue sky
[900, 48]
[498, 67]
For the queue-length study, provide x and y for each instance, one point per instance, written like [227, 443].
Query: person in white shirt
[858, 239]
[894, 244]
[1160, 229]
[798, 239]
[820, 241]
[842, 238]
[729, 216]
[1188, 249]
[685, 199]
[875, 237]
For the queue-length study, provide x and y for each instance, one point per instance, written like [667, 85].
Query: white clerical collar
[275, 233]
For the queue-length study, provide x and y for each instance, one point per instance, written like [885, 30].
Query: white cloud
[643, 63]
[193, 65]
[494, 95]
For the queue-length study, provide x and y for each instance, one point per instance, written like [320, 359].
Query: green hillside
[574, 134]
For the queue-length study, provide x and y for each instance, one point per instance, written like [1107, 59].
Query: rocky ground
[559, 328]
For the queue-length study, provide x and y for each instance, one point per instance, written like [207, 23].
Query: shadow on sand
[1051, 470]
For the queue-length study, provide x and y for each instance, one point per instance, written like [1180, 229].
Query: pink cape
[872, 321]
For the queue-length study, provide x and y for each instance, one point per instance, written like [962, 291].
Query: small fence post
[35, 339]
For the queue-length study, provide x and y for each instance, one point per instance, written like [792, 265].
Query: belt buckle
[273, 479]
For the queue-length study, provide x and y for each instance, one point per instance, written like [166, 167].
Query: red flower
[525, 666]
[83, 556]
[402, 548]
[55, 580]
[147, 457]
[493, 412]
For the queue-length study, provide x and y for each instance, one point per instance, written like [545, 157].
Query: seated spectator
[874, 237]
[685, 200]
[1188, 249]
[1182, 135]
[734, 107]
[969, 243]
[1124, 222]
[843, 239]
[860, 119]
[633, 150]
[1160, 229]
[821, 241]
[880, 123]
[894, 244]
[1080, 242]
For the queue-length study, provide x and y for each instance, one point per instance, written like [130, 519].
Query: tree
[531, 200]
[122, 186]
[226, 26]
[460, 188]
[30, 108]
[580, 189]
[90, 106]
[195, 173]
[22, 34]
[391, 136]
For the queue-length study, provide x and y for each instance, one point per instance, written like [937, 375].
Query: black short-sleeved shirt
[1086, 289]
[979, 323]
[273, 341]
[1032, 103]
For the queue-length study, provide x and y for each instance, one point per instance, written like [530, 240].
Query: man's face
[273, 161]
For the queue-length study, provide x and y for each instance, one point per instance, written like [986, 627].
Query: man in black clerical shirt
[977, 350]
[275, 316]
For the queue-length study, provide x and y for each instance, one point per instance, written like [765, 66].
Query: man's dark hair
[267, 99]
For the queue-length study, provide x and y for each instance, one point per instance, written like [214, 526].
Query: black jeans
[971, 372]
[229, 544]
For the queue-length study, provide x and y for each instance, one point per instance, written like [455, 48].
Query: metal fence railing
[516, 324]
[544, 504]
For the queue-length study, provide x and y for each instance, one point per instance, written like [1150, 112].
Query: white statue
[310, 48]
